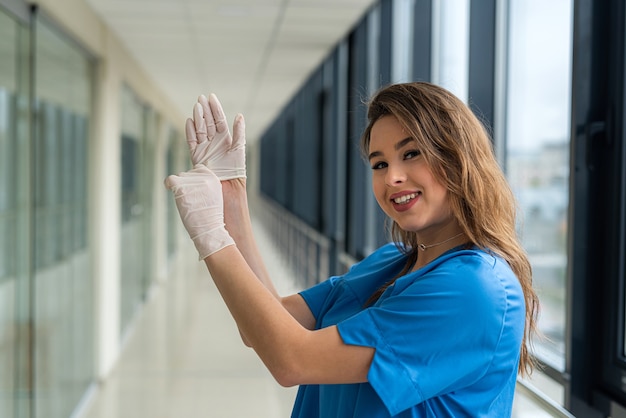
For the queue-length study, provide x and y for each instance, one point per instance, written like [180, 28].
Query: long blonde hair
[460, 154]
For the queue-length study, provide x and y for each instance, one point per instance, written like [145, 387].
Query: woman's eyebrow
[402, 143]
[399, 145]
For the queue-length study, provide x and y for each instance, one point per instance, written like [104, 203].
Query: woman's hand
[198, 194]
[210, 142]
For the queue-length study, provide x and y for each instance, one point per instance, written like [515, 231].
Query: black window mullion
[422, 40]
[595, 352]
[482, 42]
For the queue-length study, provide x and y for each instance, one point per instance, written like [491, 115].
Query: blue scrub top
[447, 337]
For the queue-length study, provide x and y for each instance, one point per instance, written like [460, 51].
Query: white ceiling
[254, 54]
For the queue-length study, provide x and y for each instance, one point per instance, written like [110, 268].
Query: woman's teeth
[404, 199]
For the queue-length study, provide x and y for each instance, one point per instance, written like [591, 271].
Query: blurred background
[104, 310]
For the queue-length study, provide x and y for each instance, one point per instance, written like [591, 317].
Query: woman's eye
[379, 165]
[411, 154]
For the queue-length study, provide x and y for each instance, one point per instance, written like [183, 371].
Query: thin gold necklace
[425, 247]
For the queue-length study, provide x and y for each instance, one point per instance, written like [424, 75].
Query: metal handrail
[541, 399]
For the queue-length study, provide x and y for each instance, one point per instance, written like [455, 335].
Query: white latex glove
[198, 194]
[210, 142]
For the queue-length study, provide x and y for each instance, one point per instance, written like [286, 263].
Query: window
[63, 337]
[450, 50]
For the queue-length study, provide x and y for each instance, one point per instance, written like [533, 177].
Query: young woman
[436, 323]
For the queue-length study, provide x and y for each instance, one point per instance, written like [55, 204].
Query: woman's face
[403, 183]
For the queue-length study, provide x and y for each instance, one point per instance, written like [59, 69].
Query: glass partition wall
[139, 131]
[132, 251]
[15, 306]
[63, 289]
[46, 290]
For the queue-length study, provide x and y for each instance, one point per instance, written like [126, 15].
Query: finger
[200, 124]
[171, 181]
[239, 132]
[218, 114]
[190, 133]
[208, 116]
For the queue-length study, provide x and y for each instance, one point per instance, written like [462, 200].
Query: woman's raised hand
[210, 142]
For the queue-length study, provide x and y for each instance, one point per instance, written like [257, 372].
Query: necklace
[425, 247]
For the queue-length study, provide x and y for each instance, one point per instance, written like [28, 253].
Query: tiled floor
[183, 357]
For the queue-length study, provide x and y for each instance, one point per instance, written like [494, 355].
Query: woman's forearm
[239, 226]
[263, 322]
[291, 352]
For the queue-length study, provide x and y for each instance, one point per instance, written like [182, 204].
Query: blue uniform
[447, 337]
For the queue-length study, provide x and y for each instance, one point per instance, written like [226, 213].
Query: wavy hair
[459, 152]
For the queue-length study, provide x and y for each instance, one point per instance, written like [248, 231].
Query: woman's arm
[292, 353]
[239, 226]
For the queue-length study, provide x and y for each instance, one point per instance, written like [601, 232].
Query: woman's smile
[404, 201]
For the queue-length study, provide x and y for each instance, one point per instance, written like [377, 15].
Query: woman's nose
[395, 175]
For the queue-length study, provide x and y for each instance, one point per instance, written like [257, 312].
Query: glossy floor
[183, 357]
[198, 368]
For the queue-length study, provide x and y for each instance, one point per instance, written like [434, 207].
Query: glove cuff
[212, 241]
[230, 173]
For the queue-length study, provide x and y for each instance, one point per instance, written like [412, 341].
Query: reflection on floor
[183, 357]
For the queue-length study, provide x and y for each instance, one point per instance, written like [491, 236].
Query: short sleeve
[432, 333]
[316, 296]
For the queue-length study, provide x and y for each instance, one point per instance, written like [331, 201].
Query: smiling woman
[455, 256]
